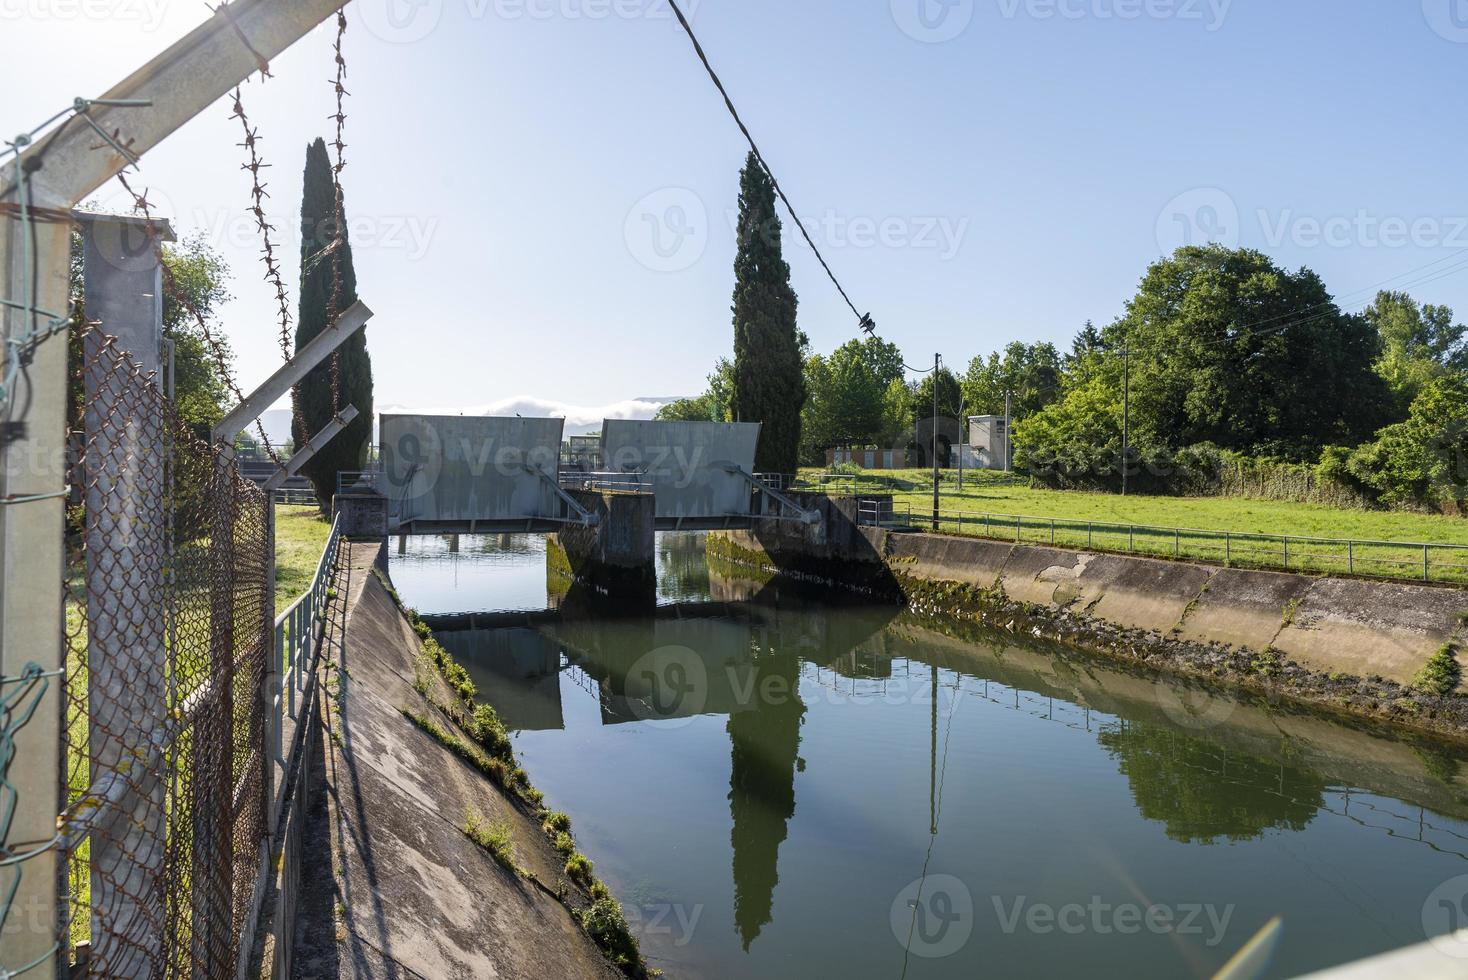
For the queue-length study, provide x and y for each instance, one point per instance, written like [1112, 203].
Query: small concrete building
[988, 442]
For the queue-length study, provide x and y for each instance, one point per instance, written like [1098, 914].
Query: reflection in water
[764, 745]
[812, 740]
[1203, 795]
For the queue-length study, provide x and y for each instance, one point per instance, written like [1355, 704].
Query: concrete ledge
[1371, 628]
[933, 556]
[1243, 608]
[1140, 593]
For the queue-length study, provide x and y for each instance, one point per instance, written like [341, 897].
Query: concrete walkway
[391, 886]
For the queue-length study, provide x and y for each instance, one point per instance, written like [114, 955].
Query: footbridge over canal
[485, 475]
[478, 474]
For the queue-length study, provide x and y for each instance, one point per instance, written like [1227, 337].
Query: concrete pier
[612, 559]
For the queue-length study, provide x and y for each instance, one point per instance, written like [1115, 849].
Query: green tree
[326, 252]
[1229, 349]
[1424, 459]
[711, 406]
[769, 385]
[950, 396]
[1418, 344]
[200, 393]
[844, 403]
[1031, 372]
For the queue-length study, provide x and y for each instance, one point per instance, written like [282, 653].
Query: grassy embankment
[997, 494]
[300, 537]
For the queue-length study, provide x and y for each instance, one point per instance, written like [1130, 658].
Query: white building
[988, 442]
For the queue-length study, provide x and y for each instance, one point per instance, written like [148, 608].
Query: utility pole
[937, 366]
[962, 434]
[1126, 413]
[1008, 396]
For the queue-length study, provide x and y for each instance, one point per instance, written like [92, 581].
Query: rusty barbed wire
[333, 306]
[170, 283]
[262, 225]
[267, 245]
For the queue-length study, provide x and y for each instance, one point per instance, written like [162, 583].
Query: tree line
[1223, 354]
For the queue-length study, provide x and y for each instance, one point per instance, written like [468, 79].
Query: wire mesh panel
[168, 622]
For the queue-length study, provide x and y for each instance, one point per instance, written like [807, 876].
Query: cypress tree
[313, 397]
[769, 385]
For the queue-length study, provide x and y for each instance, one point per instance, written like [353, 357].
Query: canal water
[781, 788]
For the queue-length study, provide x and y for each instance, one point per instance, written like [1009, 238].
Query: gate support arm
[788, 506]
[313, 446]
[317, 349]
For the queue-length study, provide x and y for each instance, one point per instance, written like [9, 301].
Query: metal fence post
[1177, 543]
[126, 551]
[1425, 575]
[1351, 557]
[1228, 548]
[1286, 551]
[32, 483]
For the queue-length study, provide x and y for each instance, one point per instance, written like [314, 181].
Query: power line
[864, 320]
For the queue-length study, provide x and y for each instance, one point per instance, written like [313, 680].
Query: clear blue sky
[510, 161]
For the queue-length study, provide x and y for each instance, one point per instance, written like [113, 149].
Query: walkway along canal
[779, 783]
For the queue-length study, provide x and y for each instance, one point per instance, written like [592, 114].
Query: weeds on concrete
[578, 869]
[498, 838]
[1290, 608]
[1440, 675]
[557, 822]
[607, 926]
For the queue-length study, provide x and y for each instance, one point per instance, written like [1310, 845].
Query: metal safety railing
[295, 496]
[298, 636]
[1419, 560]
[616, 482]
[359, 481]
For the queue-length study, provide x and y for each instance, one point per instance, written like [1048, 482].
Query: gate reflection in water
[780, 789]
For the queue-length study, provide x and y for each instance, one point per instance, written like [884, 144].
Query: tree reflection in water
[1203, 792]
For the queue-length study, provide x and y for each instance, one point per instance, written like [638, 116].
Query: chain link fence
[168, 631]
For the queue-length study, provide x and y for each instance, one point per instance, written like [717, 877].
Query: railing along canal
[1421, 560]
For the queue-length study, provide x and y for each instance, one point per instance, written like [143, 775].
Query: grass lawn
[997, 494]
[300, 537]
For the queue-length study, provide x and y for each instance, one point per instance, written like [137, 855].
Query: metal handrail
[1291, 552]
[299, 631]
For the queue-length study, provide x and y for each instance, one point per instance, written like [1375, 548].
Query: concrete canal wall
[1350, 644]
